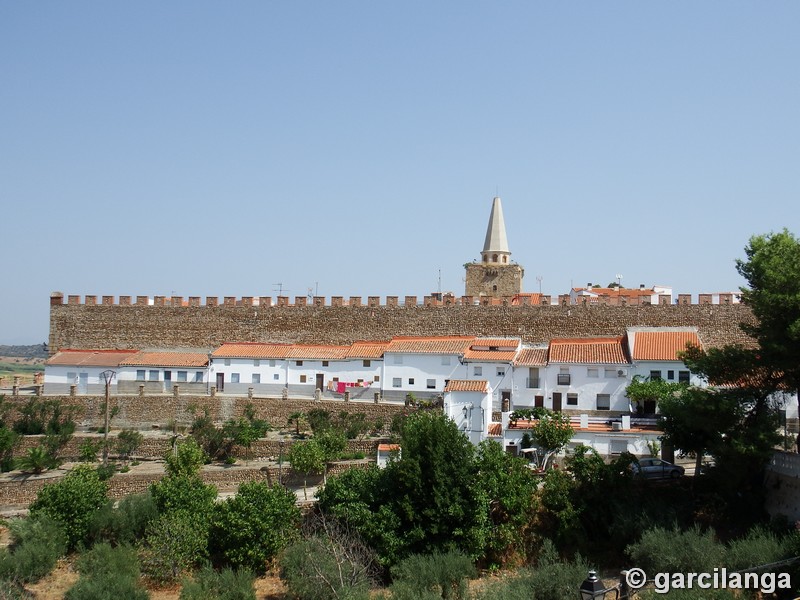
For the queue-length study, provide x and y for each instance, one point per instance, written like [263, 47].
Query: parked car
[655, 468]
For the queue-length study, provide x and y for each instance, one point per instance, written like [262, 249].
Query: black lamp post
[592, 588]
[107, 376]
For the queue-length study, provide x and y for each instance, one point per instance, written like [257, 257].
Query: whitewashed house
[158, 372]
[422, 366]
[469, 404]
[529, 378]
[237, 367]
[492, 360]
[587, 375]
[82, 369]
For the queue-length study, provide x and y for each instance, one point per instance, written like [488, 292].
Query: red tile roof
[367, 350]
[464, 385]
[431, 345]
[166, 359]
[317, 352]
[251, 350]
[661, 345]
[587, 351]
[495, 429]
[388, 447]
[88, 358]
[489, 355]
[531, 357]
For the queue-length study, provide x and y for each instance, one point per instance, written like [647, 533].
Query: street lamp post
[592, 588]
[107, 376]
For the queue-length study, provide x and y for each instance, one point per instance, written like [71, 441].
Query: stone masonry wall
[138, 326]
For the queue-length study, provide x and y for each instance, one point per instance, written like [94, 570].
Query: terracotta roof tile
[431, 345]
[495, 429]
[587, 351]
[367, 350]
[531, 357]
[388, 447]
[166, 359]
[490, 355]
[317, 352]
[464, 385]
[251, 350]
[661, 345]
[88, 358]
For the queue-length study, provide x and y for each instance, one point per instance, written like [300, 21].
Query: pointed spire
[495, 248]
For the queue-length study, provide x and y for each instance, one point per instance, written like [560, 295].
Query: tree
[298, 418]
[333, 444]
[172, 544]
[306, 458]
[128, 442]
[551, 431]
[252, 527]
[73, 501]
[186, 458]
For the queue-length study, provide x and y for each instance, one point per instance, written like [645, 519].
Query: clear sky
[353, 148]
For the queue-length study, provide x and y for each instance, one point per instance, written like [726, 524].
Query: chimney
[641, 286]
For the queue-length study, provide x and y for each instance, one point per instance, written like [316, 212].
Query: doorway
[320, 381]
[220, 382]
[556, 401]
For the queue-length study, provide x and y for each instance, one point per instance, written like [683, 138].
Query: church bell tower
[495, 275]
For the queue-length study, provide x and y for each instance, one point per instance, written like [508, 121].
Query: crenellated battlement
[58, 299]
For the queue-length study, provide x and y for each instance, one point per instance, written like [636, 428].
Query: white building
[469, 404]
[492, 360]
[236, 367]
[82, 369]
[158, 372]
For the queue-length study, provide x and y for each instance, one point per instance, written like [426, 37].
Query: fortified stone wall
[174, 323]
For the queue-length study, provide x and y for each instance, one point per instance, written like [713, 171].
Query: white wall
[420, 368]
[608, 381]
[58, 379]
[471, 412]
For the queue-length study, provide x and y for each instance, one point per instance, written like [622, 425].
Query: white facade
[423, 375]
[470, 410]
[587, 387]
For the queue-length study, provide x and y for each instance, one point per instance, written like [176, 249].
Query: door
[220, 382]
[505, 400]
[556, 401]
[167, 381]
[538, 401]
[320, 381]
[83, 383]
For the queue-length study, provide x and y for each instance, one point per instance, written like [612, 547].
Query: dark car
[655, 468]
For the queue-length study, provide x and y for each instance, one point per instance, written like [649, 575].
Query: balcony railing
[532, 382]
[563, 379]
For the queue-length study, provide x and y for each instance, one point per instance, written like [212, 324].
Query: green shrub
[128, 442]
[72, 502]
[250, 528]
[227, 584]
[758, 547]
[445, 573]
[186, 494]
[672, 550]
[37, 543]
[107, 573]
[186, 459]
[89, 450]
[8, 439]
[126, 523]
[172, 544]
[36, 460]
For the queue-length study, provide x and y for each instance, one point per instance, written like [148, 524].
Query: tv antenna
[539, 279]
[278, 287]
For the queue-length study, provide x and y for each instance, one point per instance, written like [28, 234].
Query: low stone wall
[161, 412]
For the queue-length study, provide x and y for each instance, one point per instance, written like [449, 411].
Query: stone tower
[495, 276]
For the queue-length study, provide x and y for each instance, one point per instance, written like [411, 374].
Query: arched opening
[505, 259]
[494, 257]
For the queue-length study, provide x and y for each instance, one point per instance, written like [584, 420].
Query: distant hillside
[34, 351]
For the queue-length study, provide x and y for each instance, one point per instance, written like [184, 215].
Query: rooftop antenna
[440, 282]
[279, 289]
[539, 279]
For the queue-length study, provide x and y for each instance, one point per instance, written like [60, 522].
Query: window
[276, 377]
[153, 376]
[227, 362]
[501, 371]
[430, 384]
[367, 363]
[397, 359]
[198, 377]
[256, 363]
[359, 381]
[272, 363]
[376, 379]
[139, 375]
[234, 378]
[533, 378]
[572, 399]
[303, 378]
[610, 373]
[670, 375]
[325, 363]
[335, 379]
[593, 372]
[683, 376]
[446, 360]
[603, 401]
[299, 363]
[655, 375]
[396, 382]
[410, 381]
[256, 378]
[563, 379]
[477, 371]
[182, 375]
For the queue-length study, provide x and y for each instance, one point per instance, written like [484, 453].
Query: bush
[444, 573]
[663, 550]
[128, 442]
[187, 494]
[172, 544]
[227, 584]
[107, 573]
[72, 502]
[37, 543]
[250, 528]
[186, 459]
[125, 524]
[89, 450]
[312, 572]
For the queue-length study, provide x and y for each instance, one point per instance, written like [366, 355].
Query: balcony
[563, 379]
[532, 383]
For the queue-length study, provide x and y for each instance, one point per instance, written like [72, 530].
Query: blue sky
[218, 149]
